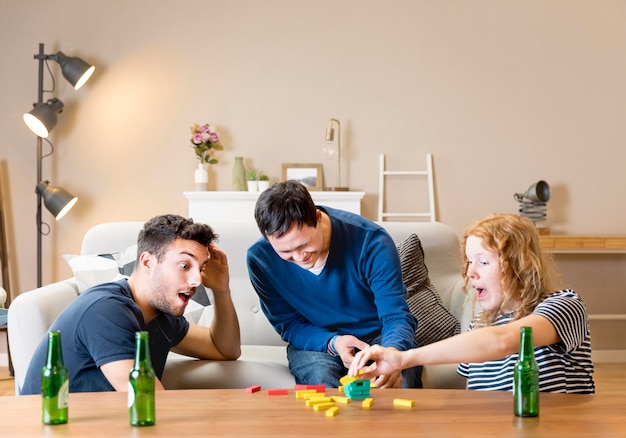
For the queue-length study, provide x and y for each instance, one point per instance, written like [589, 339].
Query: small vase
[253, 186]
[201, 177]
[239, 176]
[263, 185]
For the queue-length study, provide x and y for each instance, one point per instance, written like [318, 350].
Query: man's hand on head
[216, 275]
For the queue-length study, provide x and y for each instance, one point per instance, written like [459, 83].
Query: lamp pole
[41, 120]
[338, 150]
[40, 57]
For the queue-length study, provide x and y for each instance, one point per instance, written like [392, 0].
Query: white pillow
[91, 270]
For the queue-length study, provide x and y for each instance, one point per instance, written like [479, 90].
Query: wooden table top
[233, 412]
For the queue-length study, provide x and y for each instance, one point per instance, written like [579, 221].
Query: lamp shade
[534, 200]
[43, 117]
[330, 132]
[57, 200]
[74, 69]
[538, 192]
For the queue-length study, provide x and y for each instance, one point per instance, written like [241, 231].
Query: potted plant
[253, 183]
[264, 181]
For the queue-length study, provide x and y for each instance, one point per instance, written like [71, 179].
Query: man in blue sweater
[330, 283]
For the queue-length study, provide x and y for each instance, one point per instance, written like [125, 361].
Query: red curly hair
[528, 273]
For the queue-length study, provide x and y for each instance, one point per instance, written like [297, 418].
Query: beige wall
[503, 93]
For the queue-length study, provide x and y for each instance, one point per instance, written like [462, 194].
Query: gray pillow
[435, 322]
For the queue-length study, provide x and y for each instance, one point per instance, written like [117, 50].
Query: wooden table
[232, 412]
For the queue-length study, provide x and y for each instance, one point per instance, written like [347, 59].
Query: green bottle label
[131, 395]
[64, 395]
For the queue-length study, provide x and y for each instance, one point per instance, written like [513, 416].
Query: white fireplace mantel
[227, 206]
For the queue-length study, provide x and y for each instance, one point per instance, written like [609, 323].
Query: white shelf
[238, 207]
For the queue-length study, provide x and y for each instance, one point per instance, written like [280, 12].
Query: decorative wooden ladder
[383, 174]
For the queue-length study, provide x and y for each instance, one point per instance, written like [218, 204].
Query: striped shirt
[563, 367]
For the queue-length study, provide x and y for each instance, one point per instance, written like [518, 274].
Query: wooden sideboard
[584, 243]
[593, 265]
[238, 207]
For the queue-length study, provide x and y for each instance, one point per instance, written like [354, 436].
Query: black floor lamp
[41, 120]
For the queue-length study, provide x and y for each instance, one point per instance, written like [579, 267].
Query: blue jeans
[320, 368]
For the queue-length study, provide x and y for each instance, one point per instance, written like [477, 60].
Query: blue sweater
[359, 292]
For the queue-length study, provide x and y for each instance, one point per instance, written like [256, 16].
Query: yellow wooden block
[367, 403]
[301, 392]
[323, 406]
[340, 399]
[332, 411]
[347, 379]
[310, 395]
[403, 402]
[317, 400]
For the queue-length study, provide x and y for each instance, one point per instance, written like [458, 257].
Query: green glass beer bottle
[141, 384]
[526, 378]
[55, 385]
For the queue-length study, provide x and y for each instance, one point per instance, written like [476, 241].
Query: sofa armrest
[30, 315]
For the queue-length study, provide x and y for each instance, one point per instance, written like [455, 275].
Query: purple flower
[205, 141]
[197, 139]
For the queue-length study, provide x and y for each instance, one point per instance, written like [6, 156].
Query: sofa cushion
[414, 271]
[125, 260]
[435, 322]
[264, 365]
[90, 270]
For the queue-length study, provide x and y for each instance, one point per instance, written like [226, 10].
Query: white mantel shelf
[228, 206]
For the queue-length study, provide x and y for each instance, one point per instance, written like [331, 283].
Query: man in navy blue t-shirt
[174, 256]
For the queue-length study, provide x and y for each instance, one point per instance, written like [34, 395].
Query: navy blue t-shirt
[99, 327]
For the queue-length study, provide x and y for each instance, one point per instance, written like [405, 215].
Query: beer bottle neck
[55, 356]
[526, 344]
[142, 351]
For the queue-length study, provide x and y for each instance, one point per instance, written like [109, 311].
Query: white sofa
[263, 360]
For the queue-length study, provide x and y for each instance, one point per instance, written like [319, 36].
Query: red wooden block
[277, 391]
[318, 388]
[252, 389]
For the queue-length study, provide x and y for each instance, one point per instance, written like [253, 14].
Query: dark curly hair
[159, 232]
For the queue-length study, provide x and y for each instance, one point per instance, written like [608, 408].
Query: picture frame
[311, 175]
